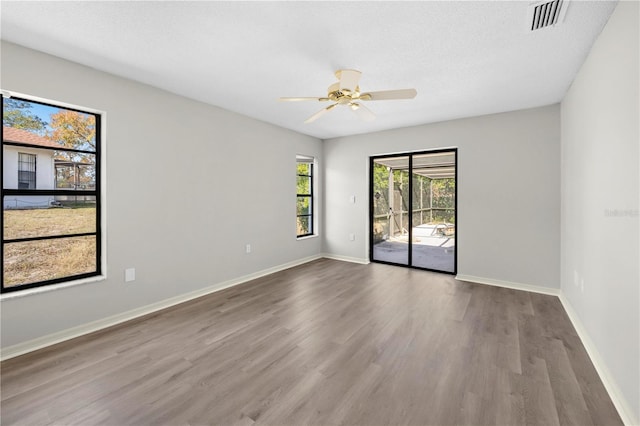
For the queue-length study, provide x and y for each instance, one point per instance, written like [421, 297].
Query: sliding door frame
[410, 208]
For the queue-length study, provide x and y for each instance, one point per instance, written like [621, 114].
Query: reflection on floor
[432, 252]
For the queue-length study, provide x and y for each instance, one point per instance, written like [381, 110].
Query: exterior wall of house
[45, 176]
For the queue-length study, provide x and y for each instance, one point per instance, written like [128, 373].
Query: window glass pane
[35, 261]
[303, 206]
[45, 126]
[42, 222]
[31, 132]
[304, 169]
[304, 225]
[390, 221]
[304, 185]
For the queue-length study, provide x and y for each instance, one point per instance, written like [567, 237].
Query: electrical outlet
[129, 274]
[352, 237]
[247, 248]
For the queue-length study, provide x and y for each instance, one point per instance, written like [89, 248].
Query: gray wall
[508, 191]
[600, 255]
[188, 185]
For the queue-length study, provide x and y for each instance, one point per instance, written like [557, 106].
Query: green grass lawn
[33, 261]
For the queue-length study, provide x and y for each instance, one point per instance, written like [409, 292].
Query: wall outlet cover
[130, 274]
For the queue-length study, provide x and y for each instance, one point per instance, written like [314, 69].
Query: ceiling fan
[347, 92]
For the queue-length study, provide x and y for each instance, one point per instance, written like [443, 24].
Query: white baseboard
[346, 258]
[70, 333]
[509, 284]
[620, 402]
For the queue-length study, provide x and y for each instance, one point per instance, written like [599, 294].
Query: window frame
[97, 192]
[311, 195]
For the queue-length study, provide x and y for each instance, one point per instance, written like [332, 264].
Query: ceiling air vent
[544, 14]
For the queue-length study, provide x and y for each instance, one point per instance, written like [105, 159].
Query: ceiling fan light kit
[347, 92]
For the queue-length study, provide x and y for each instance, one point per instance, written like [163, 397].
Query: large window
[305, 199]
[52, 212]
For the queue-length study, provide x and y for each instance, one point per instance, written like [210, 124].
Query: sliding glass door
[413, 210]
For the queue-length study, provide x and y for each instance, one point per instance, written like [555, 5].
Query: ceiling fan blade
[320, 113]
[389, 95]
[303, 99]
[362, 111]
[348, 79]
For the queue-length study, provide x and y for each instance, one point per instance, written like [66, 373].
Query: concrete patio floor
[435, 253]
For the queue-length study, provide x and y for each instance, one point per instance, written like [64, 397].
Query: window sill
[48, 288]
[306, 237]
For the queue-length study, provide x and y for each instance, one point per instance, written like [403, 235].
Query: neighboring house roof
[11, 134]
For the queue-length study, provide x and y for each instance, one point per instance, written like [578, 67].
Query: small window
[26, 171]
[305, 198]
[51, 225]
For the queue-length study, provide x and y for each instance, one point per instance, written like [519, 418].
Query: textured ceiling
[464, 58]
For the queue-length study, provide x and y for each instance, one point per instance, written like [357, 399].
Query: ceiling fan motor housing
[342, 96]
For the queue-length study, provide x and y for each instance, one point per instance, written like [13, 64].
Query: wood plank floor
[325, 343]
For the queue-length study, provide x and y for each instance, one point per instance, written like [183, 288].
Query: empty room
[320, 213]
